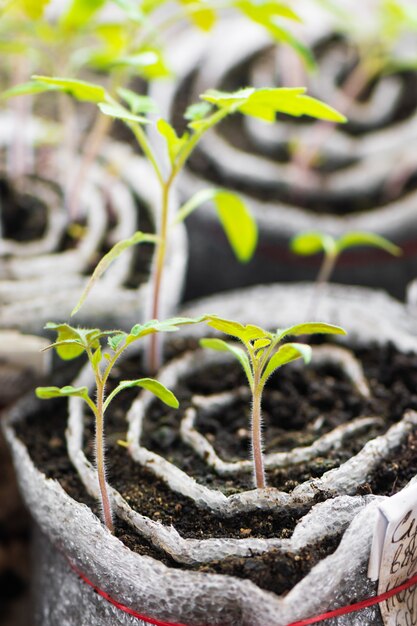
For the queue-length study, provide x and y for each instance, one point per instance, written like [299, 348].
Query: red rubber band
[344, 610]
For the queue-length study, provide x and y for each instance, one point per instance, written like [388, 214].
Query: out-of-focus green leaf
[173, 142]
[108, 259]
[222, 346]
[285, 354]
[79, 89]
[45, 393]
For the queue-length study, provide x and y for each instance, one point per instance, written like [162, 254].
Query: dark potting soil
[23, 216]
[393, 379]
[297, 409]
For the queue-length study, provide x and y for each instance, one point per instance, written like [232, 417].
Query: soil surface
[298, 406]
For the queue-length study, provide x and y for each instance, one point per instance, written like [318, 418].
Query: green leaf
[108, 259]
[261, 11]
[155, 387]
[285, 354]
[200, 13]
[115, 340]
[310, 328]
[247, 333]
[136, 102]
[174, 143]
[313, 242]
[148, 62]
[96, 359]
[118, 112]
[193, 203]
[155, 326]
[317, 109]
[32, 8]
[265, 103]
[197, 111]
[69, 343]
[229, 100]
[237, 221]
[238, 224]
[79, 89]
[358, 238]
[25, 89]
[45, 393]
[261, 343]
[238, 353]
[79, 13]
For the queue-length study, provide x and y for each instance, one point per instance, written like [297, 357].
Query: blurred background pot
[362, 176]
[43, 272]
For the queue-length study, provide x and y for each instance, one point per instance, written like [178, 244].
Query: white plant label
[393, 558]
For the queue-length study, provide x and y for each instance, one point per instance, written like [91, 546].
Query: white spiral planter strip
[190, 551]
[176, 594]
[343, 480]
[324, 444]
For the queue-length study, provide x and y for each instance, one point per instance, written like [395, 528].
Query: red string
[363, 604]
[344, 610]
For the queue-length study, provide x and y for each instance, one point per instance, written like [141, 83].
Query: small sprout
[263, 353]
[313, 242]
[71, 343]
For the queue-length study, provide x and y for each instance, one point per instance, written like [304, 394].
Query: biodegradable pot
[358, 186]
[69, 530]
[118, 198]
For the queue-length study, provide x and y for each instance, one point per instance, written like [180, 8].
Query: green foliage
[46, 393]
[238, 223]
[78, 89]
[313, 242]
[265, 103]
[137, 103]
[155, 387]
[108, 259]
[72, 342]
[118, 112]
[79, 13]
[174, 143]
[261, 355]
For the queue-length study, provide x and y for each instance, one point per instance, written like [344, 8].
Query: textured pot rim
[227, 600]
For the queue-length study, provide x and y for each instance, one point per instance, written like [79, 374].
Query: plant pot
[174, 573]
[356, 187]
[49, 273]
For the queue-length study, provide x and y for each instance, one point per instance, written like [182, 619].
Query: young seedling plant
[214, 107]
[262, 354]
[103, 350]
[313, 242]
